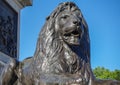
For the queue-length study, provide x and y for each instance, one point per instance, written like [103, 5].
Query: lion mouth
[73, 37]
[73, 33]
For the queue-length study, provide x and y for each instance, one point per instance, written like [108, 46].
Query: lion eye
[65, 17]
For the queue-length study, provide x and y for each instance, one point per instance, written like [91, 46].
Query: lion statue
[62, 55]
[63, 46]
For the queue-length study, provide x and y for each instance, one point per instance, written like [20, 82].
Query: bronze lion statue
[62, 55]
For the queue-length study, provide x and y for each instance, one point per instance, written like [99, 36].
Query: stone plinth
[10, 30]
[10, 25]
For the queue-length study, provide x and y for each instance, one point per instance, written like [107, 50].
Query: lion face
[69, 25]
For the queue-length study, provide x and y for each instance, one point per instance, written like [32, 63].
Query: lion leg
[9, 76]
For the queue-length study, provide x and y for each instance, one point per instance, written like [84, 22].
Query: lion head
[63, 43]
[68, 25]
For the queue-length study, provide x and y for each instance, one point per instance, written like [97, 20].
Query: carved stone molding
[25, 2]
[19, 4]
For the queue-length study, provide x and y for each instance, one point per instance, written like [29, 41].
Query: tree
[103, 73]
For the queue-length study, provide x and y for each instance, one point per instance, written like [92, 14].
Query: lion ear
[48, 17]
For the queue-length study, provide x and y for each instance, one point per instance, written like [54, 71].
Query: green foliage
[103, 73]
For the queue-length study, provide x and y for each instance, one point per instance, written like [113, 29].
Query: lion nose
[76, 22]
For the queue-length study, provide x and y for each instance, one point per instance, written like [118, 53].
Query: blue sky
[103, 19]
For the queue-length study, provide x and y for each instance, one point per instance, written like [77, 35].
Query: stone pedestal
[10, 30]
[10, 25]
